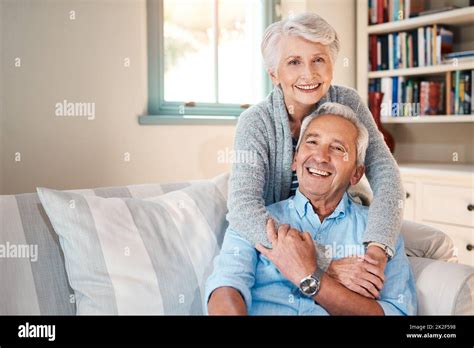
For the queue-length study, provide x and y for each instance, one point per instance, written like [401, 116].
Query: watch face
[309, 286]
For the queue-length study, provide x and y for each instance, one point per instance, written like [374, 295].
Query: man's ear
[358, 174]
[293, 165]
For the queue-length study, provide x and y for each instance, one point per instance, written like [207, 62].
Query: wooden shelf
[425, 70]
[430, 119]
[421, 168]
[453, 17]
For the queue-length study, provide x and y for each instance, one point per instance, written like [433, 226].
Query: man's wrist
[310, 284]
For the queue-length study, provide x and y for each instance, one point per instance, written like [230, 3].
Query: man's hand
[358, 274]
[293, 252]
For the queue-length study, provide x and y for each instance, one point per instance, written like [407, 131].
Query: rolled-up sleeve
[398, 296]
[235, 267]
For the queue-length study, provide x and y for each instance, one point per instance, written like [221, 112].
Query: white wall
[81, 60]
[2, 128]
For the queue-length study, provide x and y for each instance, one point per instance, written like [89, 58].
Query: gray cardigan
[263, 134]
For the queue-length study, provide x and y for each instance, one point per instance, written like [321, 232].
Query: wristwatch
[310, 285]
[385, 248]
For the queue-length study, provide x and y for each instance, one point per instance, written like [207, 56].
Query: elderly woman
[299, 55]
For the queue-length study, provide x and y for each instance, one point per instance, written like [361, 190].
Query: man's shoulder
[357, 209]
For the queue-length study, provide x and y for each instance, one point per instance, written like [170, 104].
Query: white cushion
[140, 256]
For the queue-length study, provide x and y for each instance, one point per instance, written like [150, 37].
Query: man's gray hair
[309, 26]
[347, 113]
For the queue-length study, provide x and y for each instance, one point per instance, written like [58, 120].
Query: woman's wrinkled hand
[361, 274]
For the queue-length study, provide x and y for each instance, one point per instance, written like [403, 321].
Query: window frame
[161, 111]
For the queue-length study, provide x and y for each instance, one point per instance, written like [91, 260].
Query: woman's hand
[363, 275]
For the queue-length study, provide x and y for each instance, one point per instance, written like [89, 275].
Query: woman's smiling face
[304, 71]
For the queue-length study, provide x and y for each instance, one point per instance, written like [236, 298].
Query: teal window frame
[164, 112]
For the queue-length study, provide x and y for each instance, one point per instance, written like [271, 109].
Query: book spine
[379, 53]
[448, 93]
[438, 49]
[373, 52]
[379, 11]
[456, 92]
[410, 51]
[428, 46]
[397, 51]
[433, 45]
[421, 47]
[472, 93]
[390, 51]
[416, 98]
[396, 10]
[415, 48]
[390, 10]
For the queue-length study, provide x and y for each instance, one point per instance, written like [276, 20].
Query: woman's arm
[386, 209]
[246, 202]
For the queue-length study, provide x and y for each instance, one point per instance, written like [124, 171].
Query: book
[463, 54]
[421, 46]
[438, 10]
[448, 93]
[467, 92]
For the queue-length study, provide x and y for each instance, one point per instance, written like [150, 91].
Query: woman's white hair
[309, 26]
[348, 114]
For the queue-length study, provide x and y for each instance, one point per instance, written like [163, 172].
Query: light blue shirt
[267, 292]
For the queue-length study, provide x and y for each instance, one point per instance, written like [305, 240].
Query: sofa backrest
[33, 277]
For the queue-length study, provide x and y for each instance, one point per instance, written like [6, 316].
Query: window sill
[147, 120]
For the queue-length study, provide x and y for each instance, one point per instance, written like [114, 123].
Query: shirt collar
[302, 204]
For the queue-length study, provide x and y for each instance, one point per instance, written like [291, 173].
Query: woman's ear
[273, 76]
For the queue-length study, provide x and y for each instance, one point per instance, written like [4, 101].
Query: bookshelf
[435, 153]
[430, 119]
[425, 70]
[456, 18]
[452, 17]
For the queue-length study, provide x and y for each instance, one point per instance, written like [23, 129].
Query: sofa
[49, 263]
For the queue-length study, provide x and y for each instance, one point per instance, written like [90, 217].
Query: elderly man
[286, 279]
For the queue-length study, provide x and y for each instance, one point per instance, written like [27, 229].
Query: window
[207, 57]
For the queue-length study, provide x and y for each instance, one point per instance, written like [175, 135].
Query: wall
[1, 98]
[82, 61]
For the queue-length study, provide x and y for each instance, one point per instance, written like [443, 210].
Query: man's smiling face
[325, 162]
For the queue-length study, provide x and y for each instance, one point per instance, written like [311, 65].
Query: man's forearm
[226, 301]
[338, 300]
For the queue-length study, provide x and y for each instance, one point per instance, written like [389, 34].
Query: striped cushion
[32, 287]
[139, 256]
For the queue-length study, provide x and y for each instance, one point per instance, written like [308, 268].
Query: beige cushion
[428, 242]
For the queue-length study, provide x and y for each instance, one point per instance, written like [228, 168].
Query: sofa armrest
[443, 288]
